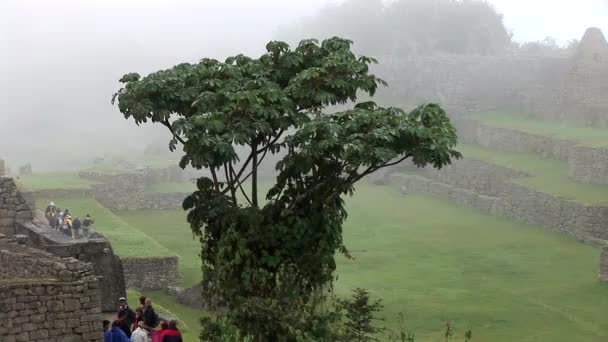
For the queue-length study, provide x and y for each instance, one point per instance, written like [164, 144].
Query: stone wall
[604, 265]
[16, 217]
[489, 188]
[96, 251]
[585, 164]
[46, 298]
[13, 206]
[151, 273]
[127, 191]
[552, 88]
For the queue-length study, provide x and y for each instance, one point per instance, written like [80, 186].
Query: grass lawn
[46, 181]
[433, 261]
[126, 241]
[547, 175]
[587, 136]
[170, 229]
[171, 187]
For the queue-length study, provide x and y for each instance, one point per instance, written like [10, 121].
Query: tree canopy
[265, 260]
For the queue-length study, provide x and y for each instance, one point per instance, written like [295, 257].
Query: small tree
[360, 314]
[266, 261]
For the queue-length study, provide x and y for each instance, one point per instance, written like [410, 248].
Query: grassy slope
[434, 261]
[587, 136]
[170, 229]
[45, 181]
[126, 241]
[547, 175]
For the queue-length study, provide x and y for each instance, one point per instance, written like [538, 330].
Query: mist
[61, 60]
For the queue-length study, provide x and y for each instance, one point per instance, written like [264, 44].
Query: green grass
[171, 187]
[586, 136]
[48, 181]
[188, 319]
[546, 175]
[434, 261]
[126, 240]
[170, 229]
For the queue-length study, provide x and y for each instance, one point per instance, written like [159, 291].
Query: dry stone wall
[489, 188]
[553, 88]
[46, 298]
[127, 191]
[585, 164]
[151, 273]
[16, 217]
[604, 265]
[13, 206]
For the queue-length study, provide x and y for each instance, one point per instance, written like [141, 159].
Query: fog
[61, 60]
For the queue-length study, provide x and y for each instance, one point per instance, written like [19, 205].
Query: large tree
[266, 259]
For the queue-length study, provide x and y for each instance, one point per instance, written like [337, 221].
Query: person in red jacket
[171, 334]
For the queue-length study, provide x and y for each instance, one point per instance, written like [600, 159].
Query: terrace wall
[585, 164]
[151, 273]
[16, 217]
[487, 187]
[604, 265]
[46, 298]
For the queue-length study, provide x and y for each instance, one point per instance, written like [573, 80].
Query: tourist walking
[87, 223]
[115, 334]
[76, 225]
[172, 334]
[124, 323]
[125, 311]
[150, 316]
[141, 334]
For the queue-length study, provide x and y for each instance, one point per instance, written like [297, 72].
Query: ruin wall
[155, 273]
[490, 189]
[585, 164]
[46, 298]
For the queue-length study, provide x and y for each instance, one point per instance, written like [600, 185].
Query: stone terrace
[46, 298]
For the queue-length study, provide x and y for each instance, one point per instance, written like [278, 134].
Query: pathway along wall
[585, 164]
[46, 298]
[488, 188]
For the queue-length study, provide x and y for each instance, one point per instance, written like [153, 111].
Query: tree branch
[240, 186]
[230, 182]
[168, 124]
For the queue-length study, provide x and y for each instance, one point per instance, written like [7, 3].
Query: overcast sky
[60, 59]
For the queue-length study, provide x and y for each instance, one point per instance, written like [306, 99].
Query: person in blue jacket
[115, 334]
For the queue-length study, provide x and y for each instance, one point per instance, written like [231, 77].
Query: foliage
[360, 314]
[411, 27]
[268, 262]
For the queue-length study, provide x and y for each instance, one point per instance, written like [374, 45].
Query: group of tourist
[140, 325]
[61, 220]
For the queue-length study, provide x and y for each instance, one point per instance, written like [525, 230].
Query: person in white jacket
[140, 334]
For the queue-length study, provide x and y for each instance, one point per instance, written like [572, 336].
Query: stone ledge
[585, 164]
[585, 223]
[154, 273]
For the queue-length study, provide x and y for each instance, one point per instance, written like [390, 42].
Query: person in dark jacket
[76, 228]
[150, 316]
[172, 334]
[125, 311]
[124, 326]
[87, 222]
[115, 334]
